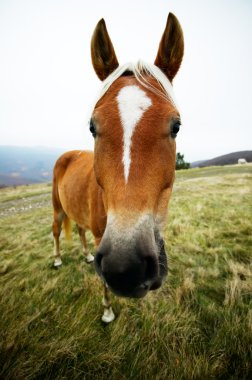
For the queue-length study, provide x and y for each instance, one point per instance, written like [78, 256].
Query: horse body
[122, 191]
[77, 196]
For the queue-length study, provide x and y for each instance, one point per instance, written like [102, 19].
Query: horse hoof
[108, 315]
[57, 263]
[89, 258]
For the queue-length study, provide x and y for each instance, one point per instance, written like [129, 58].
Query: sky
[48, 86]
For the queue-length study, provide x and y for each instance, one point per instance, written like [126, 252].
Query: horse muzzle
[132, 267]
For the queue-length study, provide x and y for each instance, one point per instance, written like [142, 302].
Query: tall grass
[197, 326]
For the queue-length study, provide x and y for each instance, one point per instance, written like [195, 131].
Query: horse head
[135, 123]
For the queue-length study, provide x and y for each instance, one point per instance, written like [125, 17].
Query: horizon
[47, 82]
[61, 149]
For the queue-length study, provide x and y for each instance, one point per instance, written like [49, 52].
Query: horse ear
[102, 51]
[171, 48]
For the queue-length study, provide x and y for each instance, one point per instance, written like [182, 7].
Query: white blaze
[132, 103]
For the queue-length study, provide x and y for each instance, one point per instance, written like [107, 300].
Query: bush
[180, 162]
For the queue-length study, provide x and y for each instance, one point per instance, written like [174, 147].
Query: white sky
[47, 83]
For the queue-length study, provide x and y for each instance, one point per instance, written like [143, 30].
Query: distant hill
[21, 165]
[227, 159]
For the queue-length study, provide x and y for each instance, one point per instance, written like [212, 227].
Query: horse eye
[92, 128]
[175, 129]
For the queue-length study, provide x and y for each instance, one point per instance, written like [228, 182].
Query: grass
[23, 192]
[197, 326]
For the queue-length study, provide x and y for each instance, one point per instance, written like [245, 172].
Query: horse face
[135, 126]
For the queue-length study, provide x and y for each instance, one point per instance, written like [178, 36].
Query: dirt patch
[17, 206]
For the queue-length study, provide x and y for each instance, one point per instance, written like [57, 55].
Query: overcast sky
[47, 83]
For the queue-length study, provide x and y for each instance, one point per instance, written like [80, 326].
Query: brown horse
[121, 192]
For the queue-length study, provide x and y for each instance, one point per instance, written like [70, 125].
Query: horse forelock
[144, 73]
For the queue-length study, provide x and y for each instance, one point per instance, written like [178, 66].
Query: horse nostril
[151, 267]
[98, 260]
[144, 286]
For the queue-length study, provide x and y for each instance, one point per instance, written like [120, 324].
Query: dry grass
[197, 326]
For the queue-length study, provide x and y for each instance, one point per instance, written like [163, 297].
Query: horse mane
[142, 71]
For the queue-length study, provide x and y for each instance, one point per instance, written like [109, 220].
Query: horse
[121, 191]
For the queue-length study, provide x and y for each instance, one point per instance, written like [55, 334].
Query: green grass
[197, 326]
[23, 192]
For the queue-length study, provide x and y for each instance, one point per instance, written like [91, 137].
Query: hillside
[20, 165]
[226, 159]
[197, 326]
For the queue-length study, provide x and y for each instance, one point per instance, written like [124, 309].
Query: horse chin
[138, 292]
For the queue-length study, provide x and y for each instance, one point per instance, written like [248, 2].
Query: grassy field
[197, 326]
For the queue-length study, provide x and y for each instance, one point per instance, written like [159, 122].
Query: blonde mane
[142, 70]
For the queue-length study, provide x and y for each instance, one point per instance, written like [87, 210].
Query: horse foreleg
[108, 315]
[89, 256]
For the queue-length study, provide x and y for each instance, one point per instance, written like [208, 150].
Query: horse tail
[67, 227]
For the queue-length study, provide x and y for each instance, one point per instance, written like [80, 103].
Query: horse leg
[108, 314]
[56, 228]
[89, 256]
